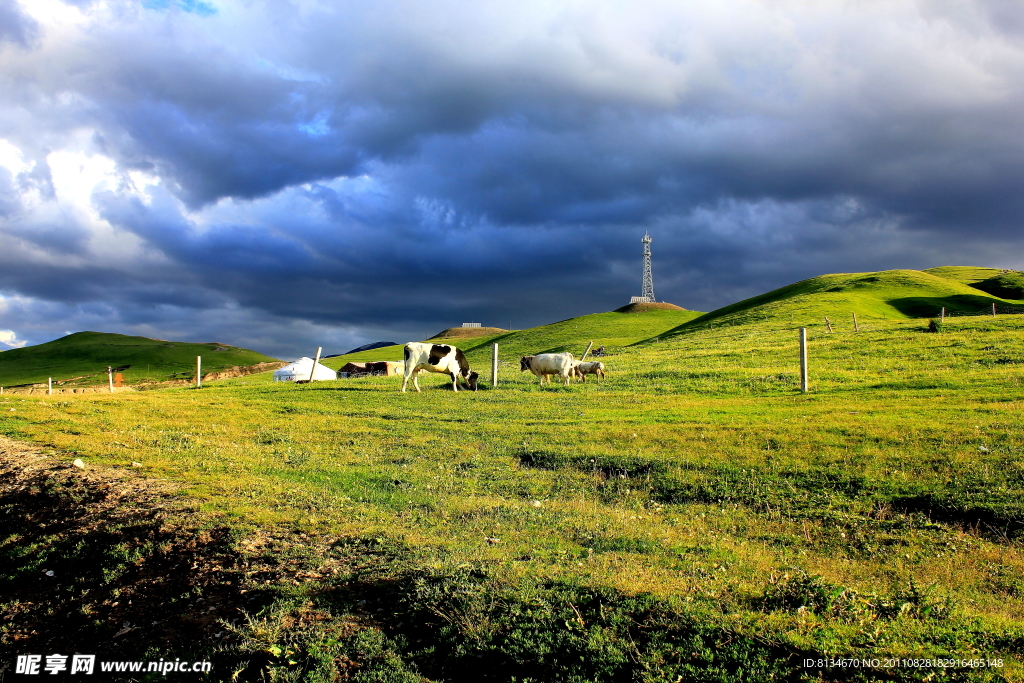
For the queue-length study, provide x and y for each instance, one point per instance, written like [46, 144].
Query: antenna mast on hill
[648, 292]
[648, 295]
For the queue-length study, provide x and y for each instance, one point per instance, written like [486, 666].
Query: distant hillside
[890, 294]
[614, 330]
[463, 332]
[364, 347]
[968, 275]
[82, 358]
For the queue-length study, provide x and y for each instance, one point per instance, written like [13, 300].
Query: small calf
[589, 368]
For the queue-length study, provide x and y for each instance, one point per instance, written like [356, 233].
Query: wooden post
[993, 309]
[828, 323]
[856, 327]
[110, 378]
[315, 361]
[589, 346]
[49, 386]
[942, 315]
[494, 365]
[803, 359]
[199, 372]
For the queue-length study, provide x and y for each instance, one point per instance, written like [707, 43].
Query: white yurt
[300, 369]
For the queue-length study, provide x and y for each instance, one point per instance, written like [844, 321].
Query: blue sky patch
[203, 9]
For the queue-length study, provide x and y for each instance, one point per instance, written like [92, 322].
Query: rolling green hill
[884, 295]
[82, 358]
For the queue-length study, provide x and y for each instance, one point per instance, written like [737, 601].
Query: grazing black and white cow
[437, 358]
[546, 364]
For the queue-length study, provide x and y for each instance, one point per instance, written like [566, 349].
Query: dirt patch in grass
[92, 563]
[457, 332]
[106, 561]
[242, 371]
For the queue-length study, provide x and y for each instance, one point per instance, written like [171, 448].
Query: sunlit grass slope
[85, 357]
[613, 330]
[965, 274]
[881, 515]
[885, 295]
[383, 353]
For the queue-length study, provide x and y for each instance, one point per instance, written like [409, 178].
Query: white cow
[590, 368]
[437, 358]
[545, 364]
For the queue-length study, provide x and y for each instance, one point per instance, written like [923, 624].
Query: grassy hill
[82, 358]
[884, 295]
[965, 274]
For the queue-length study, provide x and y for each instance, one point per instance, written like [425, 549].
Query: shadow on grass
[929, 307]
[83, 570]
[997, 521]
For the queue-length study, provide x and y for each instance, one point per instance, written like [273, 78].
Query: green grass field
[82, 358]
[694, 517]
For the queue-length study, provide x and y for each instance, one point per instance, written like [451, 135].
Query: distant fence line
[839, 325]
[996, 309]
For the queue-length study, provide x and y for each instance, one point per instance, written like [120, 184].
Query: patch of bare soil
[457, 332]
[109, 562]
[242, 371]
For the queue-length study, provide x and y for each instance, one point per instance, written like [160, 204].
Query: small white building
[299, 371]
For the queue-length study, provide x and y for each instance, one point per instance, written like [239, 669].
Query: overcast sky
[284, 175]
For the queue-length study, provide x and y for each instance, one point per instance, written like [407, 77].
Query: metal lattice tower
[648, 291]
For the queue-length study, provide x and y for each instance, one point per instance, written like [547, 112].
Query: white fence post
[316, 360]
[199, 372]
[803, 359]
[494, 365]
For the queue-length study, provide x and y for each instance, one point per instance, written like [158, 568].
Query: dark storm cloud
[225, 247]
[309, 168]
[352, 266]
